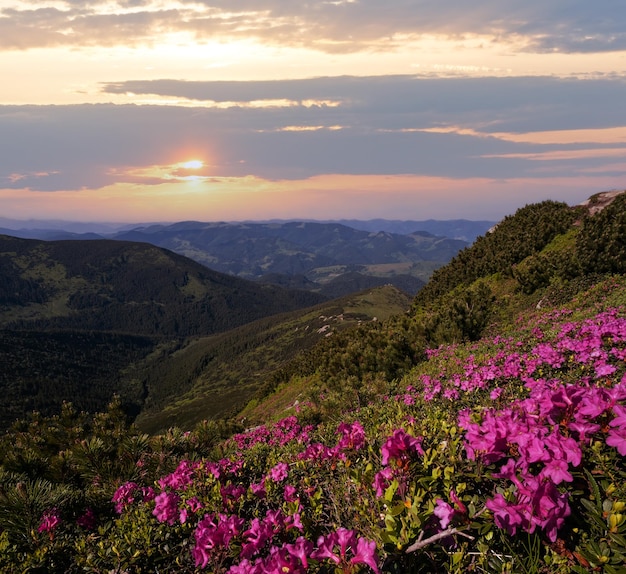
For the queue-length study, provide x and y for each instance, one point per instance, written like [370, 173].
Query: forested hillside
[481, 431]
[84, 320]
[127, 287]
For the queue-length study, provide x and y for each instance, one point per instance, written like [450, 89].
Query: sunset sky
[163, 110]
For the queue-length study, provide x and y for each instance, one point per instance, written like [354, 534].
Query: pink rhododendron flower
[317, 451]
[408, 399]
[617, 438]
[301, 549]
[508, 517]
[147, 493]
[294, 521]
[557, 471]
[258, 489]
[49, 520]
[181, 478]
[352, 436]
[549, 355]
[290, 493]
[401, 447]
[451, 394]
[191, 507]
[351, 549]
[124, 496]
[325, 547]
[282, 561]
[604, 369]
[617, 433]
[194, 504]
[256, 536]
[584, 430]
[166, 507]
[279, 472]
[539, 504]
[382, 480]
[214, 532]
[444, 512]
[366, 554]
[488, 439]
[592, 404]
[232, 493]
[346, 539]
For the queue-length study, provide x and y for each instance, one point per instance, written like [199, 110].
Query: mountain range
[88, 319]
[464, 229]
[330, 258]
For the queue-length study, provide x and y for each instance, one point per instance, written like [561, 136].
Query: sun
[192, 164]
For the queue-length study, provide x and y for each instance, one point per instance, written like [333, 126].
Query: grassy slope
[215, 376]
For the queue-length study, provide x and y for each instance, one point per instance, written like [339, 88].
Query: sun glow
[192, 164]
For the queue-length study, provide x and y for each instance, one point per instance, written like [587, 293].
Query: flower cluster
[129, 493]
[540, 438]
[279, 434]
[215, 499]
[530, 413]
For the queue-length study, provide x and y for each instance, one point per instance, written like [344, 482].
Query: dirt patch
[599, 201]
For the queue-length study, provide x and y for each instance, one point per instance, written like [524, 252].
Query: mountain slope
[213, 377]
[542, 255]
[127, 287]
[82, 320]
[483, 431]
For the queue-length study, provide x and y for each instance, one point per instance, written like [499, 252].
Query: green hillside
[484, 430]
[127, 287]
[543, 254]
[85, 320]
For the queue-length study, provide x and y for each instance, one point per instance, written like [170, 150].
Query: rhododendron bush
[506, 455]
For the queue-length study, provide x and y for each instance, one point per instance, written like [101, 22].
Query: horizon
[9, 223]
[351, 109]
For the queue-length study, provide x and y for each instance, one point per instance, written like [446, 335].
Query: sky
[230, 110]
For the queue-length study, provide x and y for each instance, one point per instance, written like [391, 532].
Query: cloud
[387, 125]
[569, 26]
[403, 101]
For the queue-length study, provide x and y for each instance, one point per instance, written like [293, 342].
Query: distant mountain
[402, 253]
[36, 226]
[463, 229]
[319, 252]
[48, 234]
